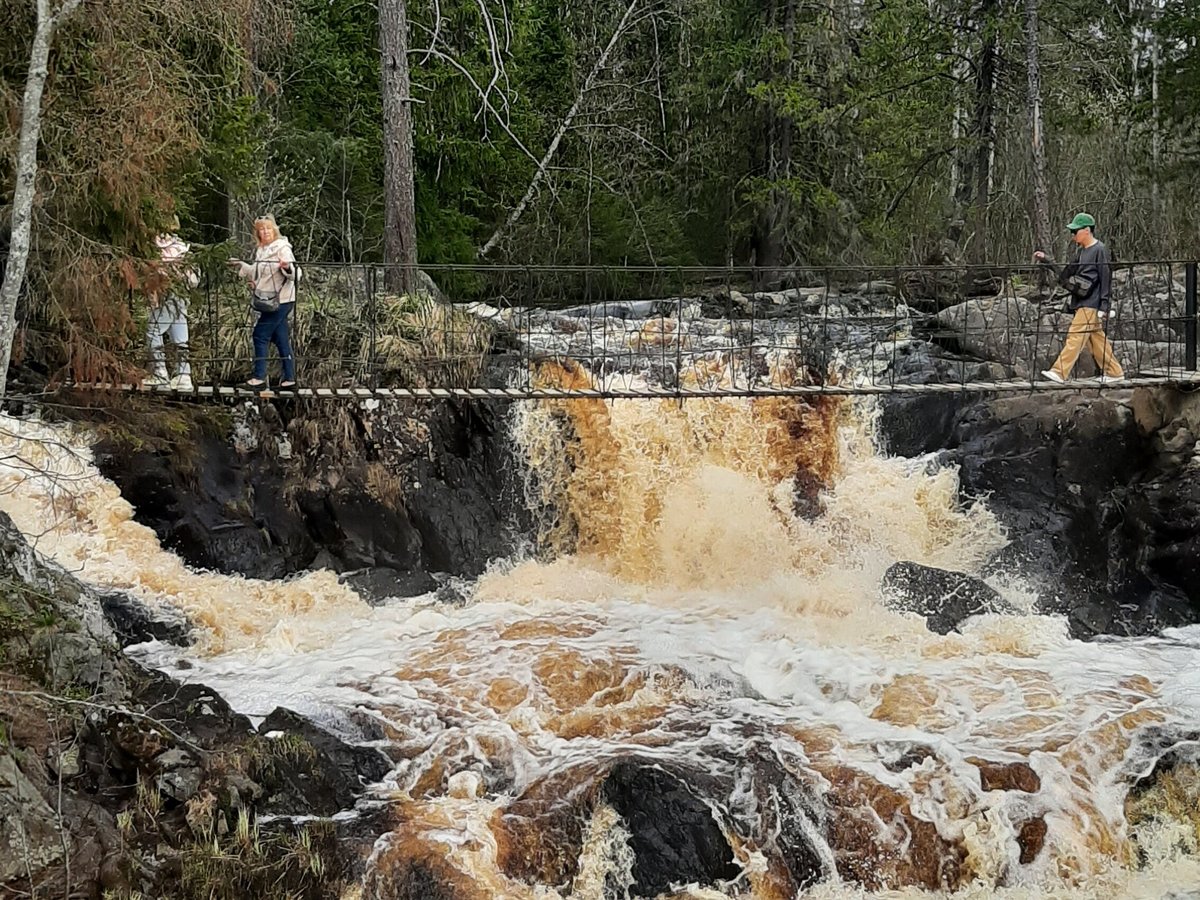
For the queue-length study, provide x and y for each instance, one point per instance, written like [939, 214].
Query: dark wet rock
[914, 424]
[1101, 512]
[196, 708]
[945, 599]
[379, 584]
[668, 809]
[399, 873]
[134, 622]
[900, 757]
[673, 835]
[466, 509]
[452, 592]
[782, 818]
[235, 502]
[355, 530]
[216, 509]
[311, 771]
[1162, 519]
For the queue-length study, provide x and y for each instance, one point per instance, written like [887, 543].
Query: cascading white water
[700, 622]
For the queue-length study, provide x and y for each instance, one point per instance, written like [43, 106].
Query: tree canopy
[653, 131]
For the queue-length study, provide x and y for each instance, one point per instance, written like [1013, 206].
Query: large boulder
[945, 599]
[1006, 328]
[680, 818]
[318, 773]
[673, 835]
[117, 793]
[290, 487]
[1096, 495]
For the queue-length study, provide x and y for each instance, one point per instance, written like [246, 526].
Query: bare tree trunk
[48, 21]
[772, 219]
[400, 213]
[984, 131]
[1041, 194]
[958, 122]
[1155, 133]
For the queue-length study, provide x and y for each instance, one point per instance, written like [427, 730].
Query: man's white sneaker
[154, 381]
[1054, 376]
[1110, 379]
[182, 383]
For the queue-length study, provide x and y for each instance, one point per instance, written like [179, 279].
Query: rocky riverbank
[121, 779]
[121, 782]
[398, 498]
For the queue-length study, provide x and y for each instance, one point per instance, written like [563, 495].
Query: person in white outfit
[273, 274]
[168, 314]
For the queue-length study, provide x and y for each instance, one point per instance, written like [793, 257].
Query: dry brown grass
[340, 342]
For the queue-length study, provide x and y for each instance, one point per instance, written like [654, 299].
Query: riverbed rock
[1098, 508]
[229, 501]
[325, 774]
[134, 621]
[673, 835]
[945, 599]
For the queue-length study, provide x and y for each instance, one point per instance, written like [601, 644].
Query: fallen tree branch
[102, 707]
[563, 128]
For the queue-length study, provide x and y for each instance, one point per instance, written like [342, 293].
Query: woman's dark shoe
[286, 386]
[254, 384]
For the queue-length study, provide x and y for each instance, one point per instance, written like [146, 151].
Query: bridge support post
[1189, 312]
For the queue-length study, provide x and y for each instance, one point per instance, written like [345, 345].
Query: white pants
[170, 318]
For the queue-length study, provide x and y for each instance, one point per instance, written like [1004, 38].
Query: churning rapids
[685, 622]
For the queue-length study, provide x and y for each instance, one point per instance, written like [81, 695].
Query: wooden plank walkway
[1148, 378]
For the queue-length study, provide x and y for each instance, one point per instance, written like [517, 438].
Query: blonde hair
[270, 220]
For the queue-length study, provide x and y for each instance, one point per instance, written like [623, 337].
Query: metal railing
[624, 331]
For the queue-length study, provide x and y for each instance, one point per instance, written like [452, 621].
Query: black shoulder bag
[267, 301]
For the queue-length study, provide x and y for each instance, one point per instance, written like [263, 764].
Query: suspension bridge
[519, 333]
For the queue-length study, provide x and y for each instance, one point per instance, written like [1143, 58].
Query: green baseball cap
[1081, 220]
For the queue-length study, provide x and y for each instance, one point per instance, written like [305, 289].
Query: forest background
[668, 132]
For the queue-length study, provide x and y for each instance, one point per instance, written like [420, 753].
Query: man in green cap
[1088, 281]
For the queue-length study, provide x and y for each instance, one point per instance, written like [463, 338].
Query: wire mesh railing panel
[678, 330]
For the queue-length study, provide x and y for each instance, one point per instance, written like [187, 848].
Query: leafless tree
[400, 211]
[564, 126]
[49, 17]
[1041, 195]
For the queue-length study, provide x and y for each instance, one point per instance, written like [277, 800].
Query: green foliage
[854, 123]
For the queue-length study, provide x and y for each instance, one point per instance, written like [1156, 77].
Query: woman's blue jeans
[272, 328]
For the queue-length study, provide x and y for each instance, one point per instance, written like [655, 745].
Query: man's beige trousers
[1087, 329]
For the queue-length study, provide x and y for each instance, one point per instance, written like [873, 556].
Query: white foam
[796, 649]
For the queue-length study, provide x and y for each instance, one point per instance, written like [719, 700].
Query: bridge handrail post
[212, 298]
[1189, 312]
[679, 283]
[372, 314]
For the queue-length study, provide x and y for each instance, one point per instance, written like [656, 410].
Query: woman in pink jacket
[272, 277]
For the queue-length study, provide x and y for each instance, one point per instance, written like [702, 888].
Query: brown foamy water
[705, 604]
